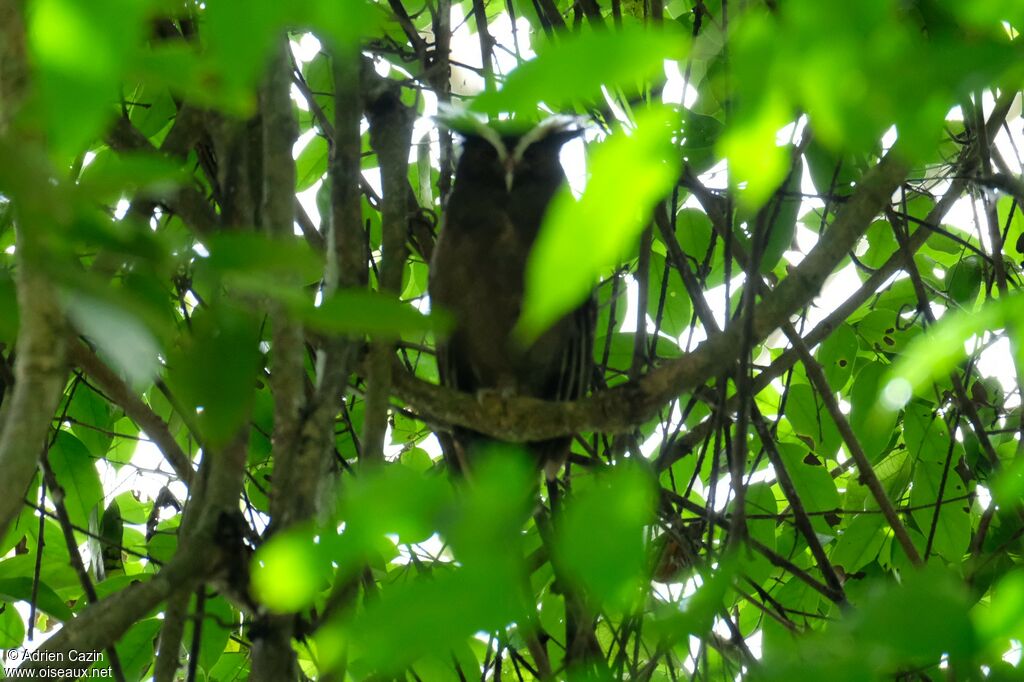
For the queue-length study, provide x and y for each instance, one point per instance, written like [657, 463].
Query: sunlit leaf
[628, 173]
[622, 58]
[756, 163]
[289, 570]
[936, 352]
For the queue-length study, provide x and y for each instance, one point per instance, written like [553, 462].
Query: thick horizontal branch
[621, 408]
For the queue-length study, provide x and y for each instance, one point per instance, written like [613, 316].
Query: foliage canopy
[218, 392]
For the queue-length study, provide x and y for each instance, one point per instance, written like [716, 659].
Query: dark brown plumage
[503, 185]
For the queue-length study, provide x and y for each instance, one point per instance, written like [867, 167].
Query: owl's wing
[577, 358]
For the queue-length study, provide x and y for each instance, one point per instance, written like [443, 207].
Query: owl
[504, 182]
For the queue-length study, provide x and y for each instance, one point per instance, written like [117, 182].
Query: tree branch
[119, 393]
[623, 407]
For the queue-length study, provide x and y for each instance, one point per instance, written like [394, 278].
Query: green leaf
[289, 570]
[963, 280]
[809, 417]
[599, 537]
[622, 58]
[859, 543]
[92, 420]
[782, 214]
[935, 353]
[353, 311]
[872, 430]
[12, 628]
[925, 433]
[700, 135]
[136, 649]
[837, 354]
[311, 164]
[213, 371]
[881, 244]
[813, 484]
[917, 622]
[674, 306]
[953, 524]
[831, 174]
[46, 600]
[79, 51]
[75, 470]
[629, 173]
[120, 336]
[761, 501]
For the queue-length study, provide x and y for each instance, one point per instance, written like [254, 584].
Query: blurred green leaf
[757, 165]
[289, 570]
[622, 58]
[112, 175]
[213, 370]
[353, 311]
[119, 335]
[916, 622]
[629, 173]
[782, 214]
[1000, 616]
[599, 536]
[936, 352]
[252, 253]
[80, 51]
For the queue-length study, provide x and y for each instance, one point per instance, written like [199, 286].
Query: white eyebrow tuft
[465, 123]
[492, 136]
[539, 132]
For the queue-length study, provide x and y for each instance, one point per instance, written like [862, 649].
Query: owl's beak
[510, 174]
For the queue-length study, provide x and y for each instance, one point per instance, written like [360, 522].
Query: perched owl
[503, 185]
